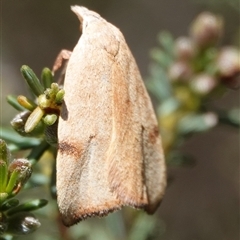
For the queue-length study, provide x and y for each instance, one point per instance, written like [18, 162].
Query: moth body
[110, 152]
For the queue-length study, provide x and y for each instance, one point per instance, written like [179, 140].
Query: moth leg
[64, 55]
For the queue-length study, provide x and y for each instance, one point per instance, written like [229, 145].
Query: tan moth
[109, 149]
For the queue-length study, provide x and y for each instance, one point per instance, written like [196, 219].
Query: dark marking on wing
[69, 149]
[153, 135]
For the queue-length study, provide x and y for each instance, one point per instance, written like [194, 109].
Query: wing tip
[75, 218]
[83, 12]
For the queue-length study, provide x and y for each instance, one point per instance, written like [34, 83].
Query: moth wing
[85, 127]
[137, 167]
[109, 150]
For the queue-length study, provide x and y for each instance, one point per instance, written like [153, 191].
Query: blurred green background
[201, 202]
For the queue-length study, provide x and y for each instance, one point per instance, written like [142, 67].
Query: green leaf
[159, 84]
[166, 40]
[4, 151]
[12, 182]
[28, 206]
[24, 167]
[10, 203]
[161, 57]
[12, 100]
[3, 175]
[17, 142]
[32, 80]
[195, 123]
[47, 77]
[168, 106]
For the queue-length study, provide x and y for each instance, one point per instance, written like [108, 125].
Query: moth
[109, 149]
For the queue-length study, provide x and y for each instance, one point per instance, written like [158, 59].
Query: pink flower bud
[180, 71]
[206, 29]
[228, 64]
[23, 167]
[184, 48]
[228, 61]
[203, 83]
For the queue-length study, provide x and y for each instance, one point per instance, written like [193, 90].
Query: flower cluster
[15, 218]
[188, 72]
[199, 59]
[38, 117]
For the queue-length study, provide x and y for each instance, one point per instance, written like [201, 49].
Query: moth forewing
[110, 153]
